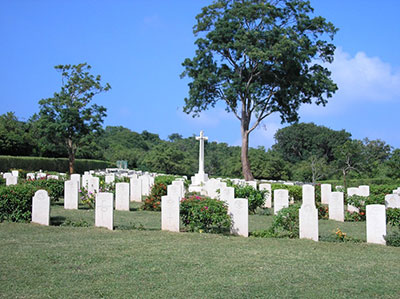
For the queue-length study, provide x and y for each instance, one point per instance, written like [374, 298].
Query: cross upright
[201, 138]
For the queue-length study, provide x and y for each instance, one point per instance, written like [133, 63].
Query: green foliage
[256, 198]
[393, 217]
[323, 211]
[88, 198]
[16, 202]
[153, 201]
[49, 164]
[67, 118]
[393, 237]
[165, 179]
[245, 59]
[286, 222]
[55, 188]
[204, 214]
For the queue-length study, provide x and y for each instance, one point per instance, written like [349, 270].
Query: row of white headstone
[125, 192]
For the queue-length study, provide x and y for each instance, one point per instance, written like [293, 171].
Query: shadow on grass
[134, 226]
[57, 220]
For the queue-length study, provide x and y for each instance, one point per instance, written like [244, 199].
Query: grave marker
[104, 216]
[41, 208]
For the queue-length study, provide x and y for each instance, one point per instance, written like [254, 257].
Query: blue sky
[138, 47]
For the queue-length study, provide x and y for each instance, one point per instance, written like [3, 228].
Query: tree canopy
[68, 117]
[259, 57]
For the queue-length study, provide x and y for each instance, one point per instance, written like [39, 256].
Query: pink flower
[206, 207]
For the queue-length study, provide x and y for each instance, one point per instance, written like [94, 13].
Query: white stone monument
[145, 184]
[239, 211]
[326, 190]
[392, 201]
[41, 208]
[363, 191]
[201, 177]
[170, 205]
[136, 189]
[252, 184]
[227, 194]
[122, 196]
[109, 178]
[11, 180]
[308, 222]
[281, 199]
[308, 192]
[94, 184]
[181, 186]
[7, 175]
[77, 178]
[85, 181]
[268, 196]
[71, 195]
[104, 216]
[15, 172]
[376, 224]
[336, 206]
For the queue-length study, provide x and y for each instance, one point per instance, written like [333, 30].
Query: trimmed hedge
[359, 182]
[50, 164]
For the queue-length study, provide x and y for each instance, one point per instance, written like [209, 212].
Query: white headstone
[71, 195]
[41, 208]
[7, 175]
[326, 190]
[268, 196]
[85, 181]
[252, 184]
[122, 196]
[181, 186]
[41, 175]
[136, 190]
[77, 178]
[30, 176]
[227, 194]
[15, 172]
[308, 195]
[52, 177]
[336, 206]
[11, 180]
[363, 190]
[145, 185]
[110, 178]
[281, 199]
[308, 222]
[94, 184]
[376, 224]
[392, 201]
[239, 212]
[104, 210]
[170, 213]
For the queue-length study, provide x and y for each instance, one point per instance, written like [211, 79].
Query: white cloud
[360, 78]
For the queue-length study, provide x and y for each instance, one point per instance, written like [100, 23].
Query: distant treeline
[303, 152]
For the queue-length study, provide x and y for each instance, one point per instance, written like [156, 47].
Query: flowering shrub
[153, 201]
[323, 211]
[354, 216]
[87, 198]
[200, 213]
[340, 235]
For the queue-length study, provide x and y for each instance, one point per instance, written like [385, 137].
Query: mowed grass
[138, 260]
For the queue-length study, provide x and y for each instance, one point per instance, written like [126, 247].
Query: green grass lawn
[139, 260]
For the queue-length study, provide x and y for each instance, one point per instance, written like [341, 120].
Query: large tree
[69, 117]
[259, 57]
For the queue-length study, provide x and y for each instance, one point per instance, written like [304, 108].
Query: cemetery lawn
[139, 260]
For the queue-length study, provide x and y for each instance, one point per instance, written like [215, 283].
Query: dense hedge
[50, 164]
[16, 202]
[360, 182]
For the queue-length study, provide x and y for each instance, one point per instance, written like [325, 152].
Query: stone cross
[201, 138]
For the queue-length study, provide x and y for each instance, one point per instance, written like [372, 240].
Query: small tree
[348, 158]
[259, 57]
[68, 117]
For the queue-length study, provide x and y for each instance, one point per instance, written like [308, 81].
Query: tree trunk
[71, 155]
[344, 182]
[248, 176]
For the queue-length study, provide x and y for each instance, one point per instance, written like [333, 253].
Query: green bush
[204, 214]
[286, 222]
[393, 217]
[164, 179]
[50, 164]
[255, 197]
[153, 201]
[55, 188]
[323, 210]
[16, 202]
[393, 238]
